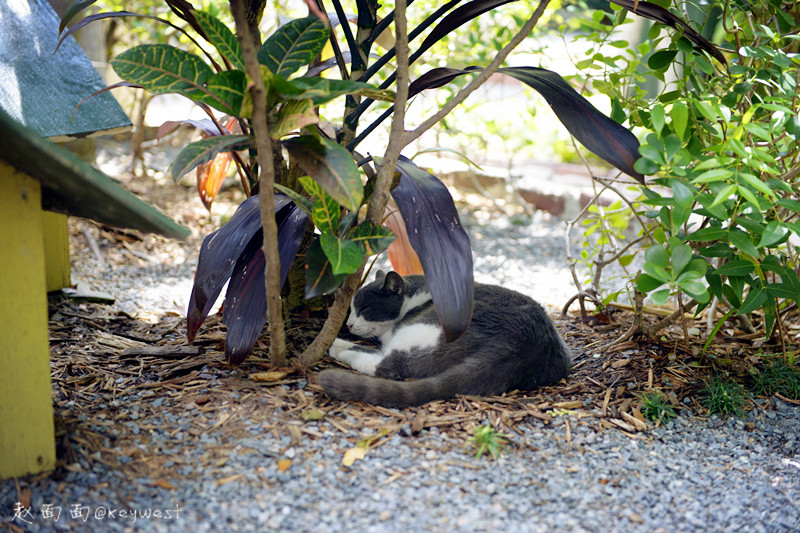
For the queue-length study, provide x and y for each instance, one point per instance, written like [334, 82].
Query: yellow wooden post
[27, 442]
[56, 250]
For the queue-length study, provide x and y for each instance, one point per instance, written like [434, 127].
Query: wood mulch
[112, 375]
[116, 377]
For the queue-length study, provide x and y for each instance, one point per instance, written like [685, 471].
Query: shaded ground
[112, 370]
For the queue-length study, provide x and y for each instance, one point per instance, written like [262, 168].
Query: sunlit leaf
[331, 165]
[292, 116]
[222, 38]
[293, 46]
[163, 69]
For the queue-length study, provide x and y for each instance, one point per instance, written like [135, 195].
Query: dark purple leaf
[218, 255]
[433, 79]
[600, 134]
[245, 310]
[659, 14]
[104, 89]
[74, 8]
[245, 300]
[442, 245]
[456, 18]
[101, 16]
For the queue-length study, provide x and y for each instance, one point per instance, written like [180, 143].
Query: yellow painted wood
[27, 442]
[56, 250]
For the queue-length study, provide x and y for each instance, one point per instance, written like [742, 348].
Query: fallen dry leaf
[353, 454]
[284, 464]
[163, 483]
[268, 376]
[312, 414]
[228, 479]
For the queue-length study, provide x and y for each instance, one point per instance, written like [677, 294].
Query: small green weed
[487, 440]
[724, 397]
[656, 407]
[779, 377]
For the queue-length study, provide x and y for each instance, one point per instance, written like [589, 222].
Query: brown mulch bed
[112, 373]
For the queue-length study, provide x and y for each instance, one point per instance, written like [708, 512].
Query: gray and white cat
[510, 344]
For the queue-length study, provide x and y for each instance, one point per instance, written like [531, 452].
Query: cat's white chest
[413, 337]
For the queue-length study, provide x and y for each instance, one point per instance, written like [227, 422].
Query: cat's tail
[352, 387]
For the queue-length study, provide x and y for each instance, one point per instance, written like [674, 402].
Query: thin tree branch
[277, 335]
[377, 203]
[480, 78]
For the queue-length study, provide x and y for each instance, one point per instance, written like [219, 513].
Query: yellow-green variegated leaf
[292, 116]
[293, 46]
[322, 90]
[162, 69]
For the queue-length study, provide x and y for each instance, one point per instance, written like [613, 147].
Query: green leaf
[657, 255]
[303, 203]
[163, 69]
[657, 115]
[774, 234]
[742, 242]
[724, 194]
[647, 283]
[322, 90]
[680, 117]
[755, 300]
[292, 116]
[331, 165]
[660, 297]
[716, 174]
[320, 278]
[662, 59]
[684, 194]
[696, 290]
[221, 37]
[712, 233]
[790, 204]
[293, 46]
[372, 238]
[756, 183]
[204, 151]
[681, 255]
[737, 267]
[345, 255]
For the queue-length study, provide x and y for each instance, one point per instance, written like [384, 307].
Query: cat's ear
[393, 282]
[380, 275]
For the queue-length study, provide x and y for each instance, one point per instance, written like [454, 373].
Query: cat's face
[375, 308]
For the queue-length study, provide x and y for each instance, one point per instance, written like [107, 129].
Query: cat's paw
[338, 346]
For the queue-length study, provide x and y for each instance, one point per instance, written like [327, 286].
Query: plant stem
[377, 203]
[277, 335]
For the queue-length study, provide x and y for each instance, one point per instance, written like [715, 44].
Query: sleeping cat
[510, 344]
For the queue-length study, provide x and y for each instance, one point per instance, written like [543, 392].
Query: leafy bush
[721, 136]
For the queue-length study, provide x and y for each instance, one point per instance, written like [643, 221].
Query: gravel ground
[692, 475]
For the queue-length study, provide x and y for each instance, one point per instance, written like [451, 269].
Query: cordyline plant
[326, 183]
